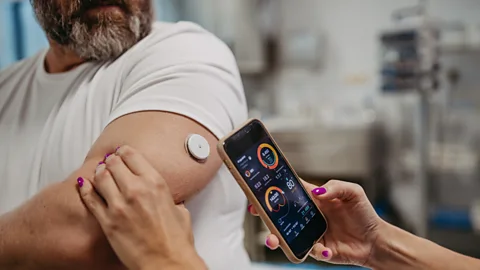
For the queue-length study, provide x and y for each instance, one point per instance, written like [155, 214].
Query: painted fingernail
[325, 253]
[116, 149]
[80, 181]
[100, 163]
[267, 243]
[249, 208]
[100, 168]
[107, 155]
[319, 191]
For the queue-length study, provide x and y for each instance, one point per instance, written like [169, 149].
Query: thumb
[335, 189]
[183, 209]
[321, 253]
[181, 205]
[94, 203]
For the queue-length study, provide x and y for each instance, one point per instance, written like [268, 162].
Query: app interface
[277, 189]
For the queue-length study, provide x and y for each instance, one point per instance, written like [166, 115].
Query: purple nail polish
[116, 149]
[267, 244]
[107, 155]
[325, 253]
[100, 163]
[80, 181]
[319, 191]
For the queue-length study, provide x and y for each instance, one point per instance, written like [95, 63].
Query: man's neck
[60, 59]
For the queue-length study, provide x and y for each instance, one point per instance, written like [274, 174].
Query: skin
[133, 205]
[358, 236]
[54, 229]
[63, 234]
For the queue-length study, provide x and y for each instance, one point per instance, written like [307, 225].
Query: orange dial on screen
[281, 199]
[267, 156]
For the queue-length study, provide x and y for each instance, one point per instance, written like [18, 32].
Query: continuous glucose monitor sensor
[198, 147]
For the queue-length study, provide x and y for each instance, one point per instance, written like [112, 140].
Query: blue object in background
[7, 50]
[20, 34]
[17, 25]
[33, 36]
[451, 219]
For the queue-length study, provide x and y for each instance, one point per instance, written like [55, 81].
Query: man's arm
[398, 249]
[54, 230]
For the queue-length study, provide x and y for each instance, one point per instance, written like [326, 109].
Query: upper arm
[189, 84]
[160, 137]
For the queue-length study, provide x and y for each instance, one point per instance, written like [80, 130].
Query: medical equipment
[410, 64]
[197, 146]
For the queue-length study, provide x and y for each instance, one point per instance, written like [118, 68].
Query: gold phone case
[251, 197]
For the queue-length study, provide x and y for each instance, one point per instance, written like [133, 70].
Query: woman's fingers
[135, 161]
[251, 209]
[121, 174]
[321, 253]
[92, 201]
[105, 185]
[335, 189]
[272, 242]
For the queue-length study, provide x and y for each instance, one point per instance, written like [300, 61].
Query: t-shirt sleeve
[192, 74]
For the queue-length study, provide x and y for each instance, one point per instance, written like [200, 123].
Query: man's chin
[103, 9]
[102, 42]
[105, 15]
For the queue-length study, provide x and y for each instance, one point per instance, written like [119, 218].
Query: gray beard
[102, 40]
[108, 41]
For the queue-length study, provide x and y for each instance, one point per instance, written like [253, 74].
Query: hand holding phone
[273, 187]
[355, 226]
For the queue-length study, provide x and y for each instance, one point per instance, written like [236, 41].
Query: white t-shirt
[48, 122]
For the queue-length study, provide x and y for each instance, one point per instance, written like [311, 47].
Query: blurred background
[378, 92]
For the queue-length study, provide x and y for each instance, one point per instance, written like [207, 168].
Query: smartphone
[272, 186]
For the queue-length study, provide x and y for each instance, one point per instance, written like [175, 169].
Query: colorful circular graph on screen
[275, 199]
[267, 156]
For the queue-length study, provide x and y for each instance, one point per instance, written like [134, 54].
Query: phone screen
[276, 187]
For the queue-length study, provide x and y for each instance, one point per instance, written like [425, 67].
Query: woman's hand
[353, 225]
[135, 209]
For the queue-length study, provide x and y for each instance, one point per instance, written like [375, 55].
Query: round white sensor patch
[198, 147]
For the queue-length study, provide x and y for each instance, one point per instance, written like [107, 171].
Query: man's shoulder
[168, 28]
[164, 31]
[176, 43]
[182, 64]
